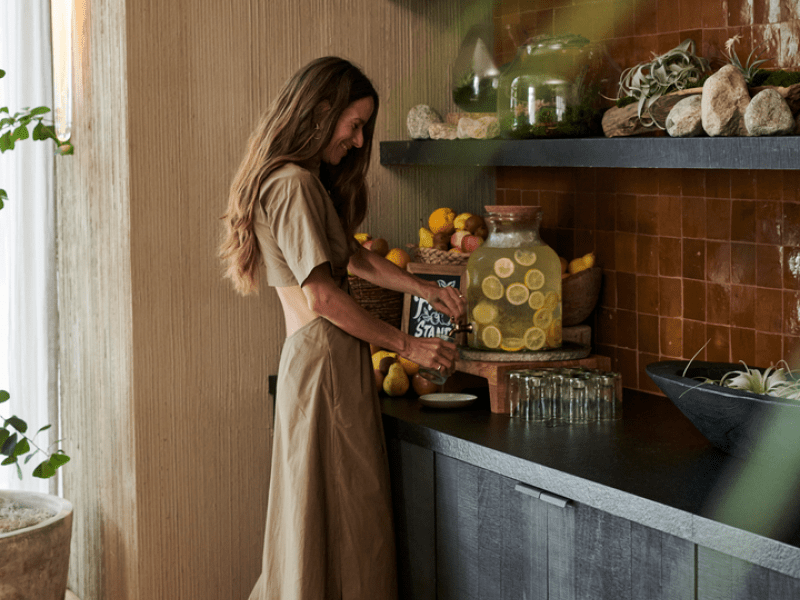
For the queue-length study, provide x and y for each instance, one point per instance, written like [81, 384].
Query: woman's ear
[320, 110]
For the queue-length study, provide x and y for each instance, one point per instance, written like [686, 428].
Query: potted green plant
[35, 528]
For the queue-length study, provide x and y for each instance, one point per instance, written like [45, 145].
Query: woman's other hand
[433, 353]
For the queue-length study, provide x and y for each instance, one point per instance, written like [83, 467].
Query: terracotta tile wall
[689, 256]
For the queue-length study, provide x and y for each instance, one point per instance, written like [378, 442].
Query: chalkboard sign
[419, 318]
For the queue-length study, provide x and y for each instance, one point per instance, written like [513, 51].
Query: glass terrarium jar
[475, 75]
[514, 285]
[552, 89]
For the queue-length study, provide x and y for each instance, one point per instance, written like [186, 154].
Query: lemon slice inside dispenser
[504, 267]
[485, 313]
[534, 279]
[525, 257]
[492, 288]
[543, 317]
[516, 294]
[491, 337]
[534, 338]
[536, 300]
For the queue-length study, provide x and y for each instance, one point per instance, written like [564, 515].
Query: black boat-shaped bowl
[740, 423]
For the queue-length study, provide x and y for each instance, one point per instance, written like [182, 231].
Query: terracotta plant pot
[34, 561]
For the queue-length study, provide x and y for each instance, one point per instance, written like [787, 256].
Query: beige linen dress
[329, 529]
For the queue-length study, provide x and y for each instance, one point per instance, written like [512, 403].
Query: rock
[419, 119]
[442, 131]
[480, 129]
[724, 102]
[452, 118]
[797, 125]
[791, 94]
[768, 114]
[686, 119]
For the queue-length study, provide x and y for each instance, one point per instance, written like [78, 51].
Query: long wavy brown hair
[287, 132]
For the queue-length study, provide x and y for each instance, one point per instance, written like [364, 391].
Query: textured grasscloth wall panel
[95, 314]
[164, 381]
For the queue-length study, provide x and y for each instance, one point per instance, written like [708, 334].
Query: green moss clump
[779, 78]
[623, 102]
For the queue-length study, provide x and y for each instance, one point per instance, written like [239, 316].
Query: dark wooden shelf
[633, 152]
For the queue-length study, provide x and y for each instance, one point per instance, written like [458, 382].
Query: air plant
[779, 382]
[677, 69]
[750, 67]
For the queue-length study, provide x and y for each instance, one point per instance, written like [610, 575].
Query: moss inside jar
[552, 89]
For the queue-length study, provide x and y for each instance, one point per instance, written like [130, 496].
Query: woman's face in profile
[349, 131]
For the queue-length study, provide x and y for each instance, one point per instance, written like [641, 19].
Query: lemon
[534, 279]
[425, 238]
[536, 300]
[362, 237]
[543, 317]
[485, 313]
[513, 344]
[492, 288]
[525, 257]
[580, 264]
[551, 301]
[491, 337]
[534, 338]
[460, 222]
[504, 267]
[409, 366]
[380, 355]
[554, 333]
[516, 294]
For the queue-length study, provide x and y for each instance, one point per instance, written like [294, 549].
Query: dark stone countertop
[652, 467]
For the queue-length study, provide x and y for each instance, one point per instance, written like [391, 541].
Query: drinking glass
[435, 375]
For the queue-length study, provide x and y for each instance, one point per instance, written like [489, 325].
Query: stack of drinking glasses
[568, 395]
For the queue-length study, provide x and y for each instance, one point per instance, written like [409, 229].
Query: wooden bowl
[579, 294]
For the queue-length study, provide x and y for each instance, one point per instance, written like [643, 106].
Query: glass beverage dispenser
[514, 285]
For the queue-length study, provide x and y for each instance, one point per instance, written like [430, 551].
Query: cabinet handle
[529, 490]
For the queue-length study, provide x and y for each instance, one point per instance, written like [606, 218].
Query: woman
[295, 203]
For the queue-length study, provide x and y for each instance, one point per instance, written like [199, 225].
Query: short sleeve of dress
[298, 228]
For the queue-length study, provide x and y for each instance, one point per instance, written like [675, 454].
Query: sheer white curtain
[28, 306]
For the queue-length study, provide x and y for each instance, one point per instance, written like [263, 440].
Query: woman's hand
[447, 300]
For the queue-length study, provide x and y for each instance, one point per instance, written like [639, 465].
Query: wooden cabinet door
[486, 537]
[412, 474]
[497, 540]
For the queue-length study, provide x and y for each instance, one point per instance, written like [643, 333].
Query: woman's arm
[329, 301]
[376, 269]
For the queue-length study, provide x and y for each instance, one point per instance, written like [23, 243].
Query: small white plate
[447, 400]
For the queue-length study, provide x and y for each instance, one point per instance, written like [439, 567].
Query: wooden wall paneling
[95, 326]
[645, 562]
[413, 494]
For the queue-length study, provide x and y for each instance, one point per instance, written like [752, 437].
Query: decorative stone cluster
[724, 108]
[424, 123]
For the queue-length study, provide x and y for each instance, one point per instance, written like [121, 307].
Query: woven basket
[386, 305]
[432, 256]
